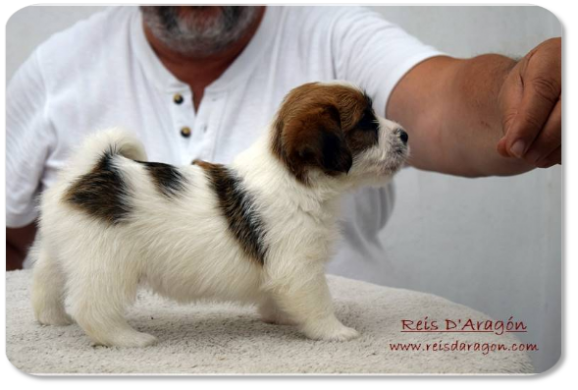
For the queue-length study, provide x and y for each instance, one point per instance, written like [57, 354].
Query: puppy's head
[331, 129]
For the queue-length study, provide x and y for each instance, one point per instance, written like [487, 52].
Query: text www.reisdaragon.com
[483, 348]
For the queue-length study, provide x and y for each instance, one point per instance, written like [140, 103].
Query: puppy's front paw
[341, 334]
[277, 319]
[143, 340]
[331, 331]
[270, 314]
[54, 318]
[128, 339]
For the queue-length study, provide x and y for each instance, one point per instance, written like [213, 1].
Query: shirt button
[178, 98]
[186, 132]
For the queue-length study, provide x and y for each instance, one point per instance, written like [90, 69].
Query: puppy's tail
[115, 141]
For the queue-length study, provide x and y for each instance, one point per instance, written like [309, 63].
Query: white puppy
[257, 231]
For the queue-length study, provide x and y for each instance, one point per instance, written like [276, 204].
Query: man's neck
[199, 72]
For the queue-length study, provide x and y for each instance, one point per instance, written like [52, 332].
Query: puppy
[258, 231]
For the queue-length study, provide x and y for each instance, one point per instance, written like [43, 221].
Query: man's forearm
[450, 107]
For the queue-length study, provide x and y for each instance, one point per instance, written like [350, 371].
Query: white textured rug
[212, 339]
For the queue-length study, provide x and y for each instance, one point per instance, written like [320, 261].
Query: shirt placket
[184, 119]
[197, 132]
[207, 125]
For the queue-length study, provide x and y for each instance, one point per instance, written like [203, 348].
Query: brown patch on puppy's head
[316, 128]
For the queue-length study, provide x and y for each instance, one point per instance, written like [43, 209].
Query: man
[202, 82]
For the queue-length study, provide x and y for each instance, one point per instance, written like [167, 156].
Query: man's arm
[464, 116]
[18, 242]
[29, 141]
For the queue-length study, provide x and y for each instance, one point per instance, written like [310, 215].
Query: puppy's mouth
[398, 158]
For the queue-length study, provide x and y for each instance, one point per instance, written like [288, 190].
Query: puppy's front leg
[272, 314]
[306, 299]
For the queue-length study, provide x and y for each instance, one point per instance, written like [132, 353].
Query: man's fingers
[539, 99]
[549, 139]
[503, 148]
[552, 159]
[541, 78]
[510, 99]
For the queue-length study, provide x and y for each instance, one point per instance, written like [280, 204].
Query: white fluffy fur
[181, 247]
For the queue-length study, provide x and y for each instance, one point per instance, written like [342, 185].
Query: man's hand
[465, 116]
[18, 241]
[531, 107]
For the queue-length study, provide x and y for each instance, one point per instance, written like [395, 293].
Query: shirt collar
[238, 71]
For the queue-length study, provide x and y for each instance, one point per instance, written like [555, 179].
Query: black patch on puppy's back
[238, 207]
[168, 179]
[101, 193]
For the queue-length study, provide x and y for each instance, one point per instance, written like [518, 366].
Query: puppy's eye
[368, 122]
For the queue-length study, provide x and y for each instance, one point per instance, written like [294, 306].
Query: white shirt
[102, 73]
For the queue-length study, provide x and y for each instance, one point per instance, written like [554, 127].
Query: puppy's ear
[315, 139]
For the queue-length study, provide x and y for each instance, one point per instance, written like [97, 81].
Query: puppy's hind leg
[48, 288]
[99, 297]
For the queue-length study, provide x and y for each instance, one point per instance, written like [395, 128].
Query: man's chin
[205, 12]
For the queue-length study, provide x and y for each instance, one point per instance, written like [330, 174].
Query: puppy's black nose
[403, 136]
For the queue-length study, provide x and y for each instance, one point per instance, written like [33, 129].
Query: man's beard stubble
[198, 31]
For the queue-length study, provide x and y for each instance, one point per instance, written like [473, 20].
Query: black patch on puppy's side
[238, 207]
[168, 179]
[101, 193]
